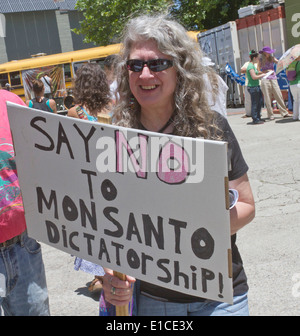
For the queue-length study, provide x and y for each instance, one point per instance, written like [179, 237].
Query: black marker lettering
[38, 128]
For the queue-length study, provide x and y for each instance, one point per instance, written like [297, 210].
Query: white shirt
[220, 102]
[46, 85]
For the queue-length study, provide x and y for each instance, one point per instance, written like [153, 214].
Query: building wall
[30, 33]
[70, 41]
[49, 32]
[64, 31]
[3, 55]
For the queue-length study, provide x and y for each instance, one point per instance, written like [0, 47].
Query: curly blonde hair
[192, 115]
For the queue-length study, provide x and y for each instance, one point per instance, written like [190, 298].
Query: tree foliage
[104, 20]
[206, 14]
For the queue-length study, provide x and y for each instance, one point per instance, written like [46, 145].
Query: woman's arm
[53, 105]
[255, 76]
[244, 210]
[244, 68]
[72, 112]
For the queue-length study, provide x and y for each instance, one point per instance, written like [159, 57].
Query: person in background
[216, 88]
[254, 88]
[294, 70]
[110, 64]
[23, 289]
[92, 97]
[91, 93]
[39, 101]
[161, 68]
[269, 85]
[247, 94]
[46, 79]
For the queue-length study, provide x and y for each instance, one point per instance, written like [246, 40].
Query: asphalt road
[270, 245]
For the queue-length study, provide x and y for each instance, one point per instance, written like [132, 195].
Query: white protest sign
[145, 204]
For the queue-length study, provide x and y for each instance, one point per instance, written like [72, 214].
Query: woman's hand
[117, 292]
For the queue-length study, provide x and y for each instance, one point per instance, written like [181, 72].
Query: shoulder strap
[46, 81]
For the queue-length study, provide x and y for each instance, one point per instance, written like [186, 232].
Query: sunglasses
[155, 65]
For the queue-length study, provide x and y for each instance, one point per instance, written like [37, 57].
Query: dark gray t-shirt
[237, 168]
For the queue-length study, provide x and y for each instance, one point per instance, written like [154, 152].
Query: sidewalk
[270, 245]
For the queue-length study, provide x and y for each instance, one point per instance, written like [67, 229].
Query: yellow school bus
[11, 72]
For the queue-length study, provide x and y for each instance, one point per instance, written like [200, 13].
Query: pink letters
[172, 164]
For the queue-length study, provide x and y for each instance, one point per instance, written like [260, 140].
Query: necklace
[169, 122]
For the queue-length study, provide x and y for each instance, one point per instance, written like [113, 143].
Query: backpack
[291, 72]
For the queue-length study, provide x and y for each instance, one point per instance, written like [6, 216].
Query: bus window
[15, 78]
[3, 80]
[68, 74]
[78, 65]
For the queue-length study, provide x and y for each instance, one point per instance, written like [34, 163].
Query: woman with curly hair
[161, 88]
[188, 116]
[91, 92]
[92, 97]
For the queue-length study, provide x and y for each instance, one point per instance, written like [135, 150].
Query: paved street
[270, 245]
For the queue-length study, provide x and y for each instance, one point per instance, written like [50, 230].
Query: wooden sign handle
[104, 118]
[120, 310]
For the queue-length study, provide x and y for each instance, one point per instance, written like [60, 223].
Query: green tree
[104, 20]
